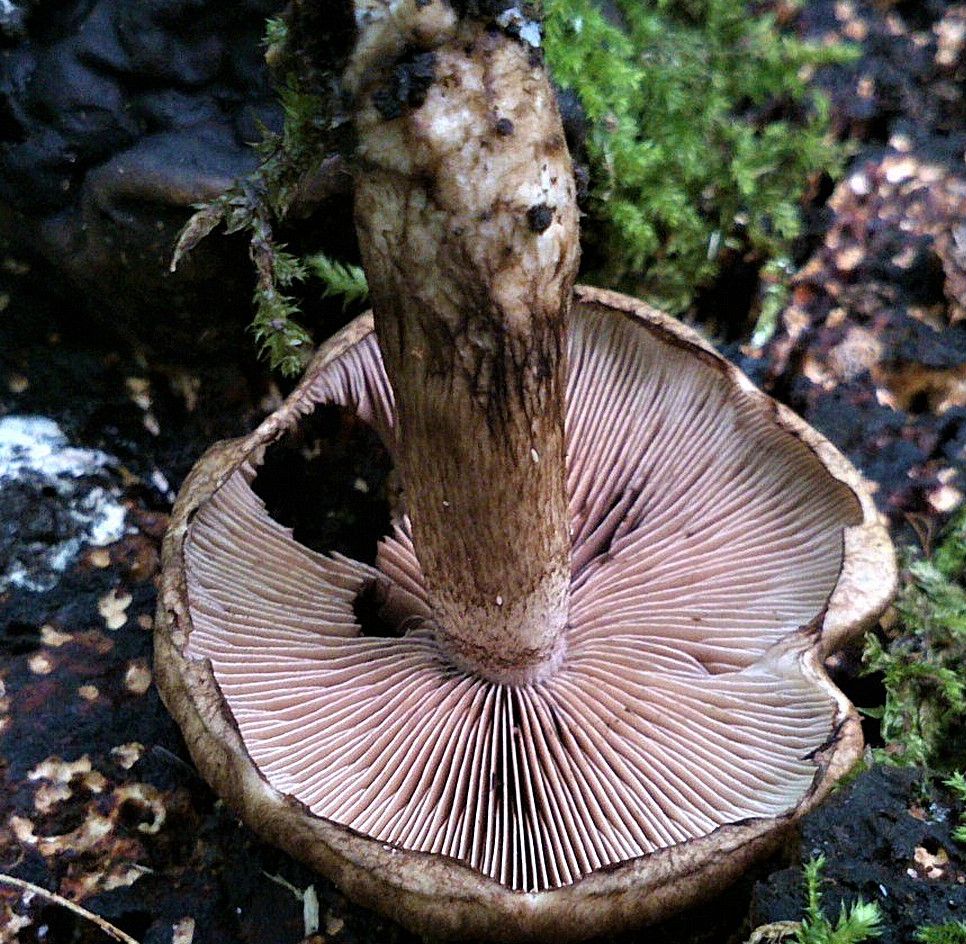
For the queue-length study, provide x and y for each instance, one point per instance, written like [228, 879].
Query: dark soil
[886, 838]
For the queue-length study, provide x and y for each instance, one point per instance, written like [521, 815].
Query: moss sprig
[340, 279]
[861, 921]
[922, 658]
[312, 124]
[952, 932]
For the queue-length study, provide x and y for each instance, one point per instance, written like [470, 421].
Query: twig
[56, 899]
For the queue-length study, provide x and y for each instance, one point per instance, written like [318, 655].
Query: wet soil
[887, 838]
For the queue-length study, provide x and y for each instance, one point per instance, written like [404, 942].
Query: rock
[115, 118]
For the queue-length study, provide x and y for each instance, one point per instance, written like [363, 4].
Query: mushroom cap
[721, 548]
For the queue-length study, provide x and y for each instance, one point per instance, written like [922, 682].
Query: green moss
[957, 784]
[921, 660]
[687, 164]
[860, 922]
[346, 281]
[953, 932]
[259, 204]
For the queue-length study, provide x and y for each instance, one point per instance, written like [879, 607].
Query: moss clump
[953, 932]
[921, 660]
[689, 161]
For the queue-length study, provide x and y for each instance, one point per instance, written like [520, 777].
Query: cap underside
[707, 541]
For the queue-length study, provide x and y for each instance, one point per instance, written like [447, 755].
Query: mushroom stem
[467, 221]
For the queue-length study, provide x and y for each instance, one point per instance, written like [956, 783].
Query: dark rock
[172, 109]
[169, 42]
[89, 108]
[115, 118]
[98, 43]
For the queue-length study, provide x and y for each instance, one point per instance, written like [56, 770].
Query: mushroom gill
[707, 542]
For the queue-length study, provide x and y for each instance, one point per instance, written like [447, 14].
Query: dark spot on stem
[407, 86]
[539, 217]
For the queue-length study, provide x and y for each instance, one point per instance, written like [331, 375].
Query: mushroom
[613, 581]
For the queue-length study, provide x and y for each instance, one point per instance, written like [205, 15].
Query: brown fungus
[611, 589]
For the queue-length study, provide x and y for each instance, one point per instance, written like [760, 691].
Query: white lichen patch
[58, 498]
